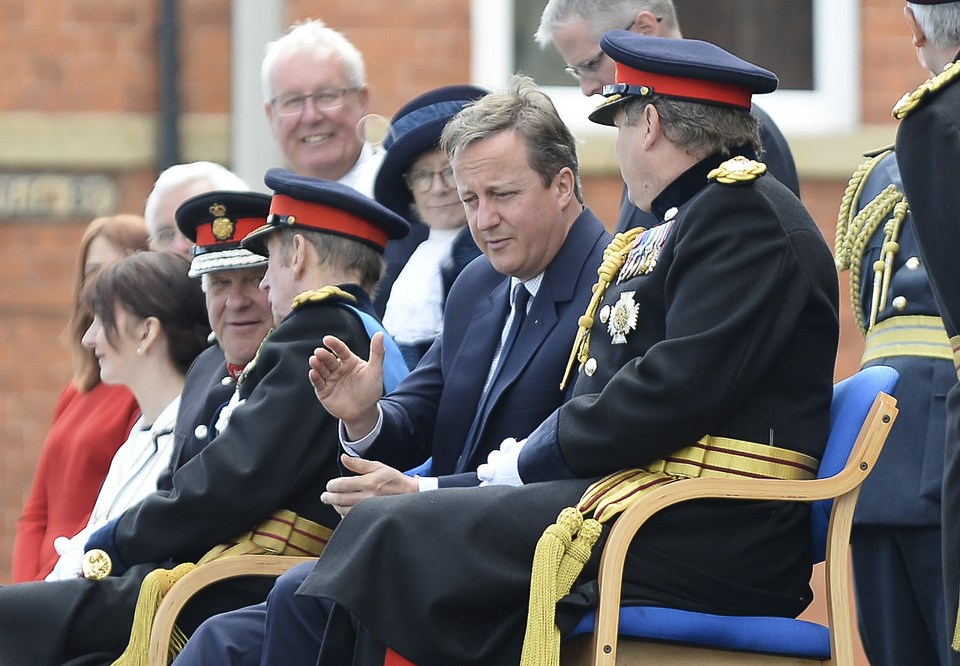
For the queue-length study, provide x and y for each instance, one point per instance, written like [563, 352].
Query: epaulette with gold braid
[911, 101]
[322, 294]
[737, 170]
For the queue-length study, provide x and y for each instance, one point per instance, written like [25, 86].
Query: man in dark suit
[928, 152]
[713, 331]
[574, 27]
[470, 392]
[255, 487]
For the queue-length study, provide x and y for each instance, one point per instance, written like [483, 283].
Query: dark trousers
[898, 582]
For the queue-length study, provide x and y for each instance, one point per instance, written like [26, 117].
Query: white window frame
[832, 107]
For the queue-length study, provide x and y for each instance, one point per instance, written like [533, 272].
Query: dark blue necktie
[520, 298]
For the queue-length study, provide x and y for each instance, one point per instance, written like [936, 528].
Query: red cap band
[327, 218]
[686, 88]
[243, 226]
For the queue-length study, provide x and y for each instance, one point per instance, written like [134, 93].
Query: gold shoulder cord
[737, 170]
[911, 101]
[854, 230]
[322, 294]
[613, 258]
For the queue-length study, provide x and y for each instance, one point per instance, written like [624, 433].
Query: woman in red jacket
[90, 421]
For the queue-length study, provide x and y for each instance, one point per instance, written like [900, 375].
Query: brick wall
[88, 57]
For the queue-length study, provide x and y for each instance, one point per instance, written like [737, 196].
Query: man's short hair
[602, 15]
[312, 36]
[940, 23]
[526, 110]
[342, 254]
[699, 129]
[212, 175]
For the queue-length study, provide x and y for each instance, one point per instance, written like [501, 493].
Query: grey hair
[526, 110]
[603, 15]
[312, 36]
[940, 23]
[344, 255]
[699, 129]
[171, 179]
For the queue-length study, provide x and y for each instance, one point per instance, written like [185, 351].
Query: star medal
[642, 258]
[623, 318]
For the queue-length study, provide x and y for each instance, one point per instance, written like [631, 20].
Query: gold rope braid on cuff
[565, 547]
[614, 256]
[283, 533]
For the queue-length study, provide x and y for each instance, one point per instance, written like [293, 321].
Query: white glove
[501, 466]
[71, 556]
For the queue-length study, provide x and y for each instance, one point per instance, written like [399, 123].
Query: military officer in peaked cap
[928, 152]
[717, 327]
[240, 317]
[254, 487]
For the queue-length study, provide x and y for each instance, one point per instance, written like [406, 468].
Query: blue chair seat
[770, 635]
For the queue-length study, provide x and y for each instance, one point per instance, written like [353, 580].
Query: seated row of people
[702, 328]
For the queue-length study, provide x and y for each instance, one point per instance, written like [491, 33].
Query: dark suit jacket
[430, 413]
[206, 387]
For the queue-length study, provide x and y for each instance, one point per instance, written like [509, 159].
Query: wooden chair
[861, 417]
[201, 577]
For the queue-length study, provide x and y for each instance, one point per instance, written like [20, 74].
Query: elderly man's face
[577, 44]
[164, 234]
[278, 282]
[239, 312]
[317, 142]
[516, 221]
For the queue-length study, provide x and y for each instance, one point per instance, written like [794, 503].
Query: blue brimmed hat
[326, 206]
[684, 69]
[415, 129]
[217, 222]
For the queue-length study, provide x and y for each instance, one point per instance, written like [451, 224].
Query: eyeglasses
[421, 181]
[326, 99]
[590, 67]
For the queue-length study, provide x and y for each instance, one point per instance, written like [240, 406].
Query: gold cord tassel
[155, 586]
[854, 230]
[613, 257]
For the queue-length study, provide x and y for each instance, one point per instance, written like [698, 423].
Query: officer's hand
[374, 479]
[347, 386]
[501, 466]
[71, 557]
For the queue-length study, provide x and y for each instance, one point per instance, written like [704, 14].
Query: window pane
[544, 65]
[776, 34]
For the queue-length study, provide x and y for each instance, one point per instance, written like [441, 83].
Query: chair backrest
[852, 399]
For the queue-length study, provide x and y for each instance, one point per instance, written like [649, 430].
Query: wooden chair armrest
[201, 577]
[862, 458]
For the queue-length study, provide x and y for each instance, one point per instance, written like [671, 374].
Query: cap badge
[737, 170]
[623, 318]
[223, 227]
[645, 252]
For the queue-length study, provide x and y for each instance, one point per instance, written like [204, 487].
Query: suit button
[226, 381]
[899, 303]
[604, 314]
[913, 263]
[590, 367]
[200, 432]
